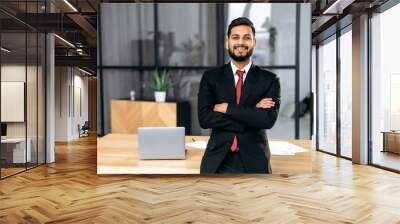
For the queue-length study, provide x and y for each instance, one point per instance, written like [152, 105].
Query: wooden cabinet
[127, 116]
[391, 142]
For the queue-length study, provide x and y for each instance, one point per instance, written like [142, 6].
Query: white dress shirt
[246, 70]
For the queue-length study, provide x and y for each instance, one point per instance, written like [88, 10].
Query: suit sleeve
[209, 118]
[258, 117]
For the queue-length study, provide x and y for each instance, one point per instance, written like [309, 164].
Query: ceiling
[75, 22]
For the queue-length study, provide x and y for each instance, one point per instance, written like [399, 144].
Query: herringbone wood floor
[69, 191]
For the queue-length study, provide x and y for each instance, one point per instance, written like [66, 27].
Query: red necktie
[239, 85]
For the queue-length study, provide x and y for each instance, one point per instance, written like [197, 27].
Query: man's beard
[240, 58]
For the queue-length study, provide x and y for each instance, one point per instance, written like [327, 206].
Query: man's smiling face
[240, 43]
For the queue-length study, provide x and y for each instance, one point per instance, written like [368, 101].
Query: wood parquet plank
[70, 191]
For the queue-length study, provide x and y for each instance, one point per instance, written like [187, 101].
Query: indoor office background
[187, 39]
[332, 68]
[22, 87]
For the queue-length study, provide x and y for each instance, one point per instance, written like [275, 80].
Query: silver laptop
[161, 143]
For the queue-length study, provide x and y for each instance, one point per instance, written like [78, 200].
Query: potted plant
[160, 85]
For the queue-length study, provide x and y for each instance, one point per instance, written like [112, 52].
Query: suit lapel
[249, 84]
[230, 84]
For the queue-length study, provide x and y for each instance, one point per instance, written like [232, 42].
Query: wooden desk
[118, 154]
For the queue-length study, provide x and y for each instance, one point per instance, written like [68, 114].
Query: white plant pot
[160, 96]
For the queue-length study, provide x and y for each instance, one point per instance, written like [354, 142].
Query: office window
[181, 44]
[385, 88]
[131, 42]
[346, 93]
[275, 26]
[119, 83]
[284, 126]
[327, 95]
[184, 88]
[184, 84]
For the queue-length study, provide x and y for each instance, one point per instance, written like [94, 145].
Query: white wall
[17, 73]
[14, 73]
[80, 100]
[71, 94]
[61, 103]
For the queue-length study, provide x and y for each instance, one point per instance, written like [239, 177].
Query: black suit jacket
[244, 120]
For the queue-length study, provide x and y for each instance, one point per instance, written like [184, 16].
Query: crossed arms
[236, 118]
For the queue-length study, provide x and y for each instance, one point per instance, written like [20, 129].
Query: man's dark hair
[241, 21]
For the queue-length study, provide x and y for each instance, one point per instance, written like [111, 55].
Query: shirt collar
[246, 68]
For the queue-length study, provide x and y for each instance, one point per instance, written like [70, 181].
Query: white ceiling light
[86, 72]
[70, 5]
[65, 41]
[338, 6]
[5, 50]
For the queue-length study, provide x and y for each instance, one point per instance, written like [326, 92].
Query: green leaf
[161, 80]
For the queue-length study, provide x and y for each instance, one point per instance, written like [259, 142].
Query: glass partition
[327, 96]
[22, 88]
[15, 148]
[385, 89]
[346, 93]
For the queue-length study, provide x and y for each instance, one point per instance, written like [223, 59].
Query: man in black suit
[238, 101]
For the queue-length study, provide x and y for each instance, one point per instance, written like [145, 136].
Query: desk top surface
[118, 154]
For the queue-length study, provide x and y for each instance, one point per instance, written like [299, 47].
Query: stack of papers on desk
[284, 148]
[276, 147]
[197, 144]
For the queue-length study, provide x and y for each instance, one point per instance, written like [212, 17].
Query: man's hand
[265, 103]
[221, 107]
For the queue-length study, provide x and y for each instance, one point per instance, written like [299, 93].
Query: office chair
[84, 130]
